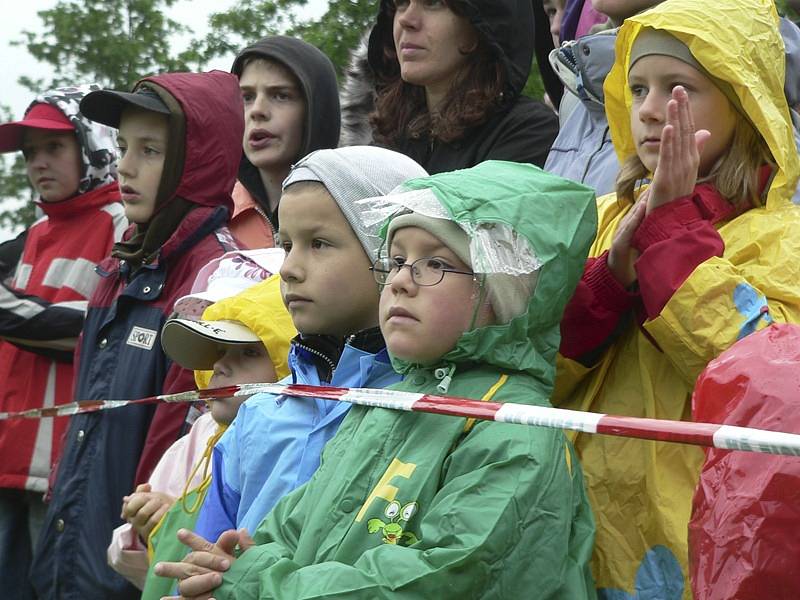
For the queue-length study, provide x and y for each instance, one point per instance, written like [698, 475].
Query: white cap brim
[195, 344]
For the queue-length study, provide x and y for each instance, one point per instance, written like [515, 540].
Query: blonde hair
[735, 174]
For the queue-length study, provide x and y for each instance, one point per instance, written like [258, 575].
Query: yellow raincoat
[641, 492]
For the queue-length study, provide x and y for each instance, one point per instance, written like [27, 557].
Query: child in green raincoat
[417, 505]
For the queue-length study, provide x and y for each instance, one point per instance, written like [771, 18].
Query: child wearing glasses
[417, 505]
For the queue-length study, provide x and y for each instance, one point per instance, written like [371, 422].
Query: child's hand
[144, 509]
[679, 153]
[622, 256]
[200, 572]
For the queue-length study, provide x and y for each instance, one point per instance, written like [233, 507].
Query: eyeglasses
[424, 271]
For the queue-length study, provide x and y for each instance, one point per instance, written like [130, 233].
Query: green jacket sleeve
[510, 501]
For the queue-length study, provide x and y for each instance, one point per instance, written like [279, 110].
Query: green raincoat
[413, 505]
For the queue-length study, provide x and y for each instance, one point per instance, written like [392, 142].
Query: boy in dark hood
[291, 108]
[180, 139]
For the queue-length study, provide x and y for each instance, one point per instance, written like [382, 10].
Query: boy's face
[555, 14]
[274, 115]
[240, 363]
[142, 142]
[619, 10]
[423, 323]
[53, 163]
[326, 283]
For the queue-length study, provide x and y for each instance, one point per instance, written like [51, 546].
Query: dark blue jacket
[119, 356]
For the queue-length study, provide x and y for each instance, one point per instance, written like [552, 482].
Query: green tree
[14, 186]
[111, 42]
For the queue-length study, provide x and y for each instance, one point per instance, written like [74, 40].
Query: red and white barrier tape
[726, 437]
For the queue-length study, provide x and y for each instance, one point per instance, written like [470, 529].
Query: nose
[652, 107]
[291, 269]
[37, 160]
[126, 165]
[222, 366]
[261, 109]
[555, 27]
[409, 16]
[403, 282]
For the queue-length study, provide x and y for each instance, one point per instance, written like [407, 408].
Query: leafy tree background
[115, 42]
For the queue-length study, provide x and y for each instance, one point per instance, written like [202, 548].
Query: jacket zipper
[319, 354]
[260, 211]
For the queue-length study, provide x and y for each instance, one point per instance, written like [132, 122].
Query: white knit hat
[354, 173]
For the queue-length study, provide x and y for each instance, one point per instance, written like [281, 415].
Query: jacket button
[59, 525]
[103, 343]
[81, 435]
[146, 289]
[418, 379]
[347, 505]
[586, 51]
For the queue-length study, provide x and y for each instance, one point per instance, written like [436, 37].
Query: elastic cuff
[606, 290]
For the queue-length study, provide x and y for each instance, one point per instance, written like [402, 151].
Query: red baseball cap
[40, 116]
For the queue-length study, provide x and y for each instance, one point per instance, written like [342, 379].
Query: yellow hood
[261, 309]
[736, 41]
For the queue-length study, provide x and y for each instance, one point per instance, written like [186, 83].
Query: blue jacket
[583, 150]
[275, 443]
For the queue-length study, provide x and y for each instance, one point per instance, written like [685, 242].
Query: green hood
[556, 218]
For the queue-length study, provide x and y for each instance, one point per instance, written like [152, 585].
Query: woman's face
[432, 42]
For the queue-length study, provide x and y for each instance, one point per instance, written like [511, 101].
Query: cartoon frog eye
[392, 510]
[409, 510]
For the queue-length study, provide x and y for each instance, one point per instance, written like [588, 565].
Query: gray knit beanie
[355, 173]
[508, 294]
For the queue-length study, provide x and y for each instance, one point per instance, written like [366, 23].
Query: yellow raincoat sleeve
[756, 282]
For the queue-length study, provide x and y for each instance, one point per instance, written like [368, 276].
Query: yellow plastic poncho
[641, 492]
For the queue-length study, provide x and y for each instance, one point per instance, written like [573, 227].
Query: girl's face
[53, 162]
[423, 323]
[651, 80]
[431, 41]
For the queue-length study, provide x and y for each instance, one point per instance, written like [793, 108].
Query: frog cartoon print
[393, 532]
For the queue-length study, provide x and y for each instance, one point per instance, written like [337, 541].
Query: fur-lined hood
[357, 97]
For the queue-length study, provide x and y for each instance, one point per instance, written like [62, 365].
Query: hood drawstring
[205, 463]
[446, 376]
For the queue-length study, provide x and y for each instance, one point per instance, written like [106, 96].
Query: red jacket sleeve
[595, 310]
[673, 240]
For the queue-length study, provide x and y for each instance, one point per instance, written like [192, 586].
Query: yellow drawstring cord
[205, 462]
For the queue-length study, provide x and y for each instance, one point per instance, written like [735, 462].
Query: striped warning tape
[726, 437]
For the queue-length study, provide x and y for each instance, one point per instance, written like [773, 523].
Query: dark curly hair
[401, 110]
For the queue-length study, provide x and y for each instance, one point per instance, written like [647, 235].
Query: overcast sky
[15, 61]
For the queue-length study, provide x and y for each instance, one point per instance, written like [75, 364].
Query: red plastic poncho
[743, 535]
